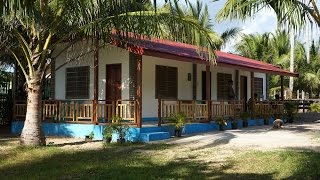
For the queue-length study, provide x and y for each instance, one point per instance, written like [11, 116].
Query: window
[166, 82]
[222, 83]
[258, 86]
[77, 82]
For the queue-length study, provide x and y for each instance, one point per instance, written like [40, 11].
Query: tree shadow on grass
[112, 164]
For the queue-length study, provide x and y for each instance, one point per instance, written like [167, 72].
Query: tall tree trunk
[32, 134]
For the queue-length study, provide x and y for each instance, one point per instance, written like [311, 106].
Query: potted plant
[315, 107]
[119, 128]
[291, 110]
[234, 123]
[222, 123]
[266, 119]
[244, 117]
[107, 133]
[179, 121]
[89, 137]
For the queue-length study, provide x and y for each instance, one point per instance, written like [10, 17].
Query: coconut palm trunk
[32, 134]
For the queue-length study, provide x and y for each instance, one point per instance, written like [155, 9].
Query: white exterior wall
[108, 55]
[218, 69]
[113, 55]
[264, 77]
[60, 74]
[149, 101]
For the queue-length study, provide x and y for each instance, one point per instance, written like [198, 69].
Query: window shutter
[258, 86]
[222, 83]
[77, 82]
[166, 82]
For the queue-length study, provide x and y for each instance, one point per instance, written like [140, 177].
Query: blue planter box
[252, 122]
[229, 125]
[240, 124]
[271, 120]
[260, 122]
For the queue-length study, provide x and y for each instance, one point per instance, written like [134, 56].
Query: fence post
[234, 109]
[94, 112]
[57, 111]
[209, 110]
[194, 109]
[74, 112]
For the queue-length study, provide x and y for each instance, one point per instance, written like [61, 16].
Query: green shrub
[178, 119]
[315, 107]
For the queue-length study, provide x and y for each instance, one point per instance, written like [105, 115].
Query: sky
[264, 21]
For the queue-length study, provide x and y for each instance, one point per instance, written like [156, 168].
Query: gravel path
[292, 136]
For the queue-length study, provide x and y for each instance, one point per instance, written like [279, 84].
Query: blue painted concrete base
[133, 134]
[154, 136]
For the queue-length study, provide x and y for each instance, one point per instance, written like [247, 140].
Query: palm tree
[256, 46]
[200, 14]
[272, 48]
[31, 30]
[294, 13]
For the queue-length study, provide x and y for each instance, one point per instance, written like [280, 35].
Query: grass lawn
[154, 161]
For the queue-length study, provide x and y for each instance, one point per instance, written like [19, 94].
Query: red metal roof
[187, 52]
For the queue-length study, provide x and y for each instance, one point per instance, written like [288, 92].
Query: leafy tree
[31, 30]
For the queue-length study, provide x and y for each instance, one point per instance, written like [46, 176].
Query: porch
[102, 111]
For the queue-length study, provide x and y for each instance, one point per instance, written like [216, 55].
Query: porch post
[281, 82]
[95, 80]
[237, 85]
[53, 80]
[194, 81]
[139, 90]
[252, 84]
[208, 91]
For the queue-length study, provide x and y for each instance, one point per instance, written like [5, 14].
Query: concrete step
[150, 129]
[154, 136]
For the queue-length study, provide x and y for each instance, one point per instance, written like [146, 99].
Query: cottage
[149, 82]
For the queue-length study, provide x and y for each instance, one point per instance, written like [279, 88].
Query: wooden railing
[194, 110]
[227, 108]
[199, 110]
[82, 111]
[267, 108]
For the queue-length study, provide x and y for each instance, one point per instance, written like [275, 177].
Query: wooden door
[204, 85]
[113, 82]
[244, 89]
